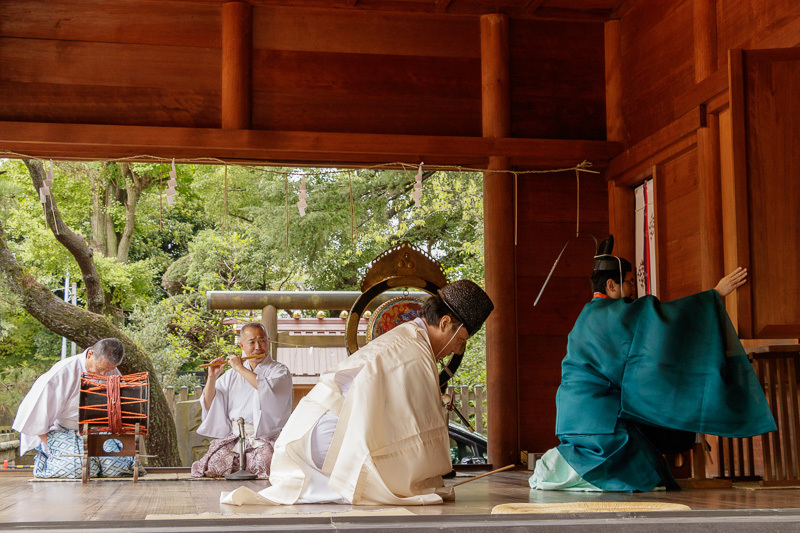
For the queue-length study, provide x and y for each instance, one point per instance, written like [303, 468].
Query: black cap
[469, 303]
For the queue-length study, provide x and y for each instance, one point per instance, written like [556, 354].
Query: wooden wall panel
[363, 93]
[546, 208]
[97, 62]
[657, 64]
[773, 189]
[557, 80]
[756, 24]
[192, 24]
[351, 31]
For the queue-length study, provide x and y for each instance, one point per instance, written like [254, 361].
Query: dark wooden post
[615, 125]
[498, 202]
[237, 43]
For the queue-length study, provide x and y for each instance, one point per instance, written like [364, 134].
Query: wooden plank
[771, 115]
[641, 155]
[39, 139]
[775, 406]
[736, 194]
[615, 125]
[702, 92]
[652, 78]
[705, 38]
[87, 63]
[621, 223]
[554, 198]
[550, 239]
[195, 24]
[757, 24]
[366, 113]
[362, 74]
[710, 203]
[95, 104]
[363, 31]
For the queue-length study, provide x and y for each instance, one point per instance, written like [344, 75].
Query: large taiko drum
[114, 404]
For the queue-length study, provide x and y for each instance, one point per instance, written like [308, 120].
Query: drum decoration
[114, 404]
[403, 265]
[392, 313]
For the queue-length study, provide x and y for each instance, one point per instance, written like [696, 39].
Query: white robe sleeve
[216, 422]
[272, 404]
[53, 397]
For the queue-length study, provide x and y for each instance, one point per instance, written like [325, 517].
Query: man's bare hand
[236, 362]
[216, 370]
[731, 282]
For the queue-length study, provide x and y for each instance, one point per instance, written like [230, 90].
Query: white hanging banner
[646, 274]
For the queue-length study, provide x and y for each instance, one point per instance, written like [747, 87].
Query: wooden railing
[471, 404]
[774, 458]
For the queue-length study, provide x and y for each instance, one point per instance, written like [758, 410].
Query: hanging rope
[352, 210]
[584, 166]
[286, 250]
[225, 202]
[114, 407]
[578, 200]
[160, 198]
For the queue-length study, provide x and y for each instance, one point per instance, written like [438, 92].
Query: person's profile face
[629, 286]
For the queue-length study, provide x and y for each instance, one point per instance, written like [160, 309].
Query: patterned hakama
[223, 457]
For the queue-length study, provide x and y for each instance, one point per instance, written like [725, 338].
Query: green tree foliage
[246, 235]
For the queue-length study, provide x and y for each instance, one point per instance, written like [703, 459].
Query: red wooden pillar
[237, 44]
[498, 208]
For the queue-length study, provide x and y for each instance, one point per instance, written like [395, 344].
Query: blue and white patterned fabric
[51, 463]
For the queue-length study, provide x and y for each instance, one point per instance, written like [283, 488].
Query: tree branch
[73, 242]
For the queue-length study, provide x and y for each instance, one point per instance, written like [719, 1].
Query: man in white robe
[373, 431]
[259, 390]
[47, 419]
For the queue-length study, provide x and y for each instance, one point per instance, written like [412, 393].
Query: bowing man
[641, 377]
[47, 418]
[372, 431]
[259, 390]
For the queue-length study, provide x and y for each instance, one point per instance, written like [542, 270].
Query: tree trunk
[98, 221]
[86, 328]
[71, 241]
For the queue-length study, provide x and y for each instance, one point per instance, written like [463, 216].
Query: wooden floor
[24, 500]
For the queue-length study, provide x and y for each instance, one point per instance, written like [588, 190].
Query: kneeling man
[373, 430]
[640, 378]
[47, 418]
[259, 390]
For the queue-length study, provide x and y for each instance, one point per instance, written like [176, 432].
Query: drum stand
[93, 447]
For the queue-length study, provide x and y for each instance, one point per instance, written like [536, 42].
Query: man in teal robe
[640, 378]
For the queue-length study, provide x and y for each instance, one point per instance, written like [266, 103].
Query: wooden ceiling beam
[89, 141]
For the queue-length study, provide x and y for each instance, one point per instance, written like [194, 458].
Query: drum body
[114, 404]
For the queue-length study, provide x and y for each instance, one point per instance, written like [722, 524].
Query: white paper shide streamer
[301, 205]
[417, 194]
[172, 183]
[44, 191]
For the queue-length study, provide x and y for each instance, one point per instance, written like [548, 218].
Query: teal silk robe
[675, 364]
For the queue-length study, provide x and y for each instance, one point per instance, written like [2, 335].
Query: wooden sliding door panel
[765, 129]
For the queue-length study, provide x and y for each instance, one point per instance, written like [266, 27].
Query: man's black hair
[600, 277]
[435, 309]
